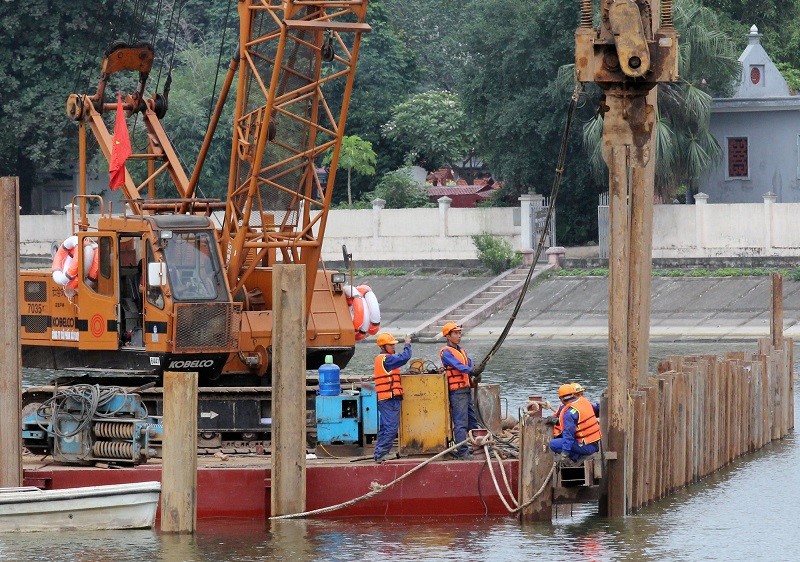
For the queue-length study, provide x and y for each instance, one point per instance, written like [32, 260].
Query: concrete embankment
[577, 307]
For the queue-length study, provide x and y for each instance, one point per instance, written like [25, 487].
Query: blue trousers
[389, 423]
[577, 451]
[462, 412]
[472, 420]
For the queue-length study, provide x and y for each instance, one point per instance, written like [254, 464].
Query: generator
[84, 424]
[349, 417]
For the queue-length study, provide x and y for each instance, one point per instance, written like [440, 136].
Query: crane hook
[327, 47]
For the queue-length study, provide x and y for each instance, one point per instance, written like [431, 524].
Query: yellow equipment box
[425, 414]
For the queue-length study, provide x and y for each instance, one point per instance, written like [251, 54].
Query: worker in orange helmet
[458, 367]
[389, 389]
[580, 429]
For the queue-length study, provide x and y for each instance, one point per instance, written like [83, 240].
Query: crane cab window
[193, 266]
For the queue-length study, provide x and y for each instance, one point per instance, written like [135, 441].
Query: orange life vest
[558, 428]
[387, 383]
[588, 427]
[455, 379]
[73, 269]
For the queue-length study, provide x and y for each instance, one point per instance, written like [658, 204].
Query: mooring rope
[488, 454]
[539, 491]
[376, 488]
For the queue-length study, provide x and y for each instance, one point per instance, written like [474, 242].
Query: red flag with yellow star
[120, 148]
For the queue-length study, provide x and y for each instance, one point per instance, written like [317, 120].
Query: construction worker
[389, 390]
[579, 390]
[580, 429]
[458, 367]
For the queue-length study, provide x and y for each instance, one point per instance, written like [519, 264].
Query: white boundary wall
[726, 229]
[679, 231]
[370, 234]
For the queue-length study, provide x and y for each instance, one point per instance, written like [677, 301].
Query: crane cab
[158, 301]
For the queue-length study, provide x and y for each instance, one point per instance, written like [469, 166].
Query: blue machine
[86, 423]
[350, 417]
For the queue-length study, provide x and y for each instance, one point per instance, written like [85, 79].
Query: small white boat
[115, 506]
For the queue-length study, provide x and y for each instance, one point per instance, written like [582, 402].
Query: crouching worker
[389, 390]
[580, 429]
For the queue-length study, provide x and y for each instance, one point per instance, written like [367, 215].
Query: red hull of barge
[440, 489]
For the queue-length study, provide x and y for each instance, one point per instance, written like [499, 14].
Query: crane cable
[477, 371]
[576, 93]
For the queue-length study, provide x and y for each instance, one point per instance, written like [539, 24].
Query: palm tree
[708, 65]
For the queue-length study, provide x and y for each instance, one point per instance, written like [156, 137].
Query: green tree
[188, 117]
[685, 147]
[400, 191]
[511, 96]
[387, 72]
[433, 126]
[495, 253]
[777, 20]
[356, 155]
[46, 50]
[433, 30]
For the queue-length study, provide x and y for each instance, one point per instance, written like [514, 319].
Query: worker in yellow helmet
[579, 390]
[389, 389]
[580, 429]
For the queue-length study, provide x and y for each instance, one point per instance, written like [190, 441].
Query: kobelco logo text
[196, 364]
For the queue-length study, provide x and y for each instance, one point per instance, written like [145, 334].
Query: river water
[746, 511]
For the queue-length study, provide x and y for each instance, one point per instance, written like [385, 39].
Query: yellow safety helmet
[385, 338]
[578, 387]
[566, 390]
[450, 327]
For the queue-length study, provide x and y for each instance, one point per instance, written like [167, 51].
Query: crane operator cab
[158, 300]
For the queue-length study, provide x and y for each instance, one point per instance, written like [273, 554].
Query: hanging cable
[562, 154]
[219, 62]
[553, 196]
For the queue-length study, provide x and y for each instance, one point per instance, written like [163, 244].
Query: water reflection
[746, 511]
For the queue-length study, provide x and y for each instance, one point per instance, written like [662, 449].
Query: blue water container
[329, 382]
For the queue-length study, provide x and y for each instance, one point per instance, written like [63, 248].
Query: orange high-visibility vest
[387, 383]
[558, 428]
[588, 427]
[456, 379]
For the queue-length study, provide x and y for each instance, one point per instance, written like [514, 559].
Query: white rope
[376, 488]
[494, 479]
[505, 478]
[539, 491]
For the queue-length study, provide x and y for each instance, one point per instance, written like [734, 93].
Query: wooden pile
[699, 413]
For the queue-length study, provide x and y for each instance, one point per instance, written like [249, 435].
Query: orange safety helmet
[450, 327]
[566, 390]
[385, 338]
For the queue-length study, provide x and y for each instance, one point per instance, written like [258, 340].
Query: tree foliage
[433, 127]
[498, 57]
[45, 48]
[777, 20]
[400, 191]
[512, 96]
[433, 31]
[387, 72]
[495, 253]
[355, 155]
